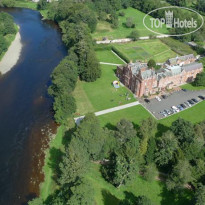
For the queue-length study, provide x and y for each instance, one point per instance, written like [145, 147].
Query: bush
[134, 35]
[200, 79]
[130, 23]
[151, 63]
[121, 13]
[125, 58]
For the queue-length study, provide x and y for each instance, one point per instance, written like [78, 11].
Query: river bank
[12, 55]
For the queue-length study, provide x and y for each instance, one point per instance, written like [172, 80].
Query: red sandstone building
[144, 81]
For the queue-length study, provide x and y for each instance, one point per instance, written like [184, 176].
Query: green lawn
[108, 57]
[135, 114]
[106, 194]
[145, 50]
[104, 28]
[190, 86]
[48, 186]
[100, 95]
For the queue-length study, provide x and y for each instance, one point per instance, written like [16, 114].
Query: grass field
[145, 50]
[48, 186]
[108, 57]
[106, 194]
[190, 86]
[136, 114]
[100, 95]
[104, 28]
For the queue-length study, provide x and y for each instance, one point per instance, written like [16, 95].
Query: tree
[200, 195]
[134, 35]
[200, 79]
[166, 147]
[42, 4]
[143, 200]
[147, 130]
[3, 44]
[130, 23]
[64, 106]
[180, 176]
[74, 164]
[151, 63]
[150, 154]
[82, 193]
[91, 135]
[8, 3]
[183, 130]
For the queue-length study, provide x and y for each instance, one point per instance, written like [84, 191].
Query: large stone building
[142, 80]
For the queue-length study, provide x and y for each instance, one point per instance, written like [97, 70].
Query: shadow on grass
[109, 199]
[110, 126]
[67, 136]
[180, 197]
[161, 129]
[54, 160]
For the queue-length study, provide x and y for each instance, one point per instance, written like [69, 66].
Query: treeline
[127, 152]
[76, 21]
[6, 27]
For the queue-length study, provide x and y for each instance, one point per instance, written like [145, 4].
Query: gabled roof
[182, 58]
[192, 66]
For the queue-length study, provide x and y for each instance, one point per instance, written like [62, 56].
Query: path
[103, 63]
[126, 40]
[103, 112]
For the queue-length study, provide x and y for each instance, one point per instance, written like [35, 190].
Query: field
[100, 95]
[136, 114]
[106, 194]
[190, 86]
[104, 28]
[146, 49]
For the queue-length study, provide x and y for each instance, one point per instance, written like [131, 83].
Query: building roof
[192, 66]
[136, 67]
[182, 58]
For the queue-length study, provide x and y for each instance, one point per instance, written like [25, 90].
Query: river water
[25, 108]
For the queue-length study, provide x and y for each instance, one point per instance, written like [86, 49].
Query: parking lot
[157, 108]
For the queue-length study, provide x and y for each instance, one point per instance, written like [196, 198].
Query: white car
[158, 98]
[175, 108]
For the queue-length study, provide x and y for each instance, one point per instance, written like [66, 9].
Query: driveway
[176, 98]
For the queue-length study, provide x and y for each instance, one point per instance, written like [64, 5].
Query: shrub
[119, 53]
[121, 13]
[134, 35]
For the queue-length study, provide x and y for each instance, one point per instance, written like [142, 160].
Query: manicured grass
[106, 194]
[49, 185]
[190, 86]
[100, 95]
[104, 29]
[178, 47]
[108, 56]
[145, 50]
[135, 114]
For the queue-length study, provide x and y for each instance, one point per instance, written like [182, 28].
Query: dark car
[191, 102]
[147, 100]
[195, 100]
[184, 90]
[184, 106]
[164, 96]
[201, 97]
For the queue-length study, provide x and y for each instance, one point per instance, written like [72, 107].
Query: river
[25, 108]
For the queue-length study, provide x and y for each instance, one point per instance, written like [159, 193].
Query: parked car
[168, 112]
[164, 96]
[201, 97]
[158, 98]
[184, 90]
[175, 108]
[188, 104]
[195, 100]
[184, 106]
[147, 100]
[191, 102]
[180, 107]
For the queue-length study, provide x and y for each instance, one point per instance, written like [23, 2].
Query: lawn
[146, 49]
[49, 186]
[104, 28]
[136, 114]
[100, 95]
[108, 56]
[106, 194]
[190, 86]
